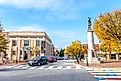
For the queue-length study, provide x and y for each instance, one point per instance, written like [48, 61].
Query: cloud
[28, 28]
[41, 4]
[62, 9]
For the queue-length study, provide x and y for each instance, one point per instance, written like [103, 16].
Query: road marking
[68, 67]
[106, 74]
[32, 68]
[59, 67]
[50, 67]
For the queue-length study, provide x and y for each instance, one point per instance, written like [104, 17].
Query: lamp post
[87, 61]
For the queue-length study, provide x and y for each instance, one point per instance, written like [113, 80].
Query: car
[59, 58]
[37, 61]
[52, 59]
[65, 58]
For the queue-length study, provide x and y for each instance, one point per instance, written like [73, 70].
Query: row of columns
[19, 47]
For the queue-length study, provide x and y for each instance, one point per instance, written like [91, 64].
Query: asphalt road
[47, 74]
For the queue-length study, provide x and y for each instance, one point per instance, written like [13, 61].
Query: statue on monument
[89, 23]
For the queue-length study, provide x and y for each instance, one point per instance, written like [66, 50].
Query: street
[58, 71]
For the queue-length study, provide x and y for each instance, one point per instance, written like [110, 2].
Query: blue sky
[63, 20]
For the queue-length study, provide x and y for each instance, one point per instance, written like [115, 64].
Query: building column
[22, 45]
[117, 57]
[108, 57]
[18, 49]
[10, 50]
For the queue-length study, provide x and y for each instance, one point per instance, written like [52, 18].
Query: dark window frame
[26, 42]
[37, 42]
[14, 42]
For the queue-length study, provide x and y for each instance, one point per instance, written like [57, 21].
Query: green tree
[74, 50]
[61, 54]
[108, 29]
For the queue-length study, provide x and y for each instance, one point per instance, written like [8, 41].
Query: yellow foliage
[75, 49]
[108, 29]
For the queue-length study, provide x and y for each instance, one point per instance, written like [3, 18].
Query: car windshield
[37, 58]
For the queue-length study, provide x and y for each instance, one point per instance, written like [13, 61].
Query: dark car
[37, 61]
[52, 59]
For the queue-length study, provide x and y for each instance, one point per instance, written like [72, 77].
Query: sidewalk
[103, 65]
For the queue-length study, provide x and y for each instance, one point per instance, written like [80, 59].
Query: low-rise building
[22, 43]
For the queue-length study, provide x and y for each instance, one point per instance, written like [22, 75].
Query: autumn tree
[108, 29]
[75, 49]
[34, 52]
[3, 40]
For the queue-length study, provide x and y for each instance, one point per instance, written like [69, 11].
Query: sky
[63, 20]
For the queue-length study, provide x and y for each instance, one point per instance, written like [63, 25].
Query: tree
[108, 29]
[75, 49]
[61, 54]
[3, 41]
[35, 52]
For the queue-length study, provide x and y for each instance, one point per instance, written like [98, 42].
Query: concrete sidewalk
[103, 65]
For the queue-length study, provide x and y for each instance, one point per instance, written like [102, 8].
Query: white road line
[32, 68]
[107, 76]
[50, 67]
[19, 66]
[41, 67]
[59, 67]
[26, 67]
[68, 67]
[104, 71]
[11, 66]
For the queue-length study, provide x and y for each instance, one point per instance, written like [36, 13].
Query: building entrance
[25, 55]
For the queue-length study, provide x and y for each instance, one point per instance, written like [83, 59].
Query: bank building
[22, 43]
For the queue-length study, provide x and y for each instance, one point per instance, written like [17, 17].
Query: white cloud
[42, 4]
[62, 9]
[27, 28]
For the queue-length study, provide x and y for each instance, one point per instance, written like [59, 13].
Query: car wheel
[38, 64]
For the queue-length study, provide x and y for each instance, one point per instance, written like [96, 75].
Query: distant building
[24, 42]
[110, 57]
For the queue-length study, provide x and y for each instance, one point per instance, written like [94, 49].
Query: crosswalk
[27, 67]
[106, 74]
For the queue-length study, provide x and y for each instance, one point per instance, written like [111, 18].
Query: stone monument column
[91, 52]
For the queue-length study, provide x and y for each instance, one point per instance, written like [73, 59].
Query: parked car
[65, 58]
[59, 58]
[52, 59]
[37, 61]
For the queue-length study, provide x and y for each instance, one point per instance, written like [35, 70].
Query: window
[26, 42]
[113, 56]
[13, 52]
[14, 42]
[37, 42]
[43, 47]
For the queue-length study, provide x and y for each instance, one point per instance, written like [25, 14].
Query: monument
[91, 51]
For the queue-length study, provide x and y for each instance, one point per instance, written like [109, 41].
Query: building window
[26, 42]
[14, 42]
[43, 46]
[113, 56]
[37, 42]
[13, 52]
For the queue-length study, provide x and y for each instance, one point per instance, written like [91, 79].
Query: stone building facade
[22, 43]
